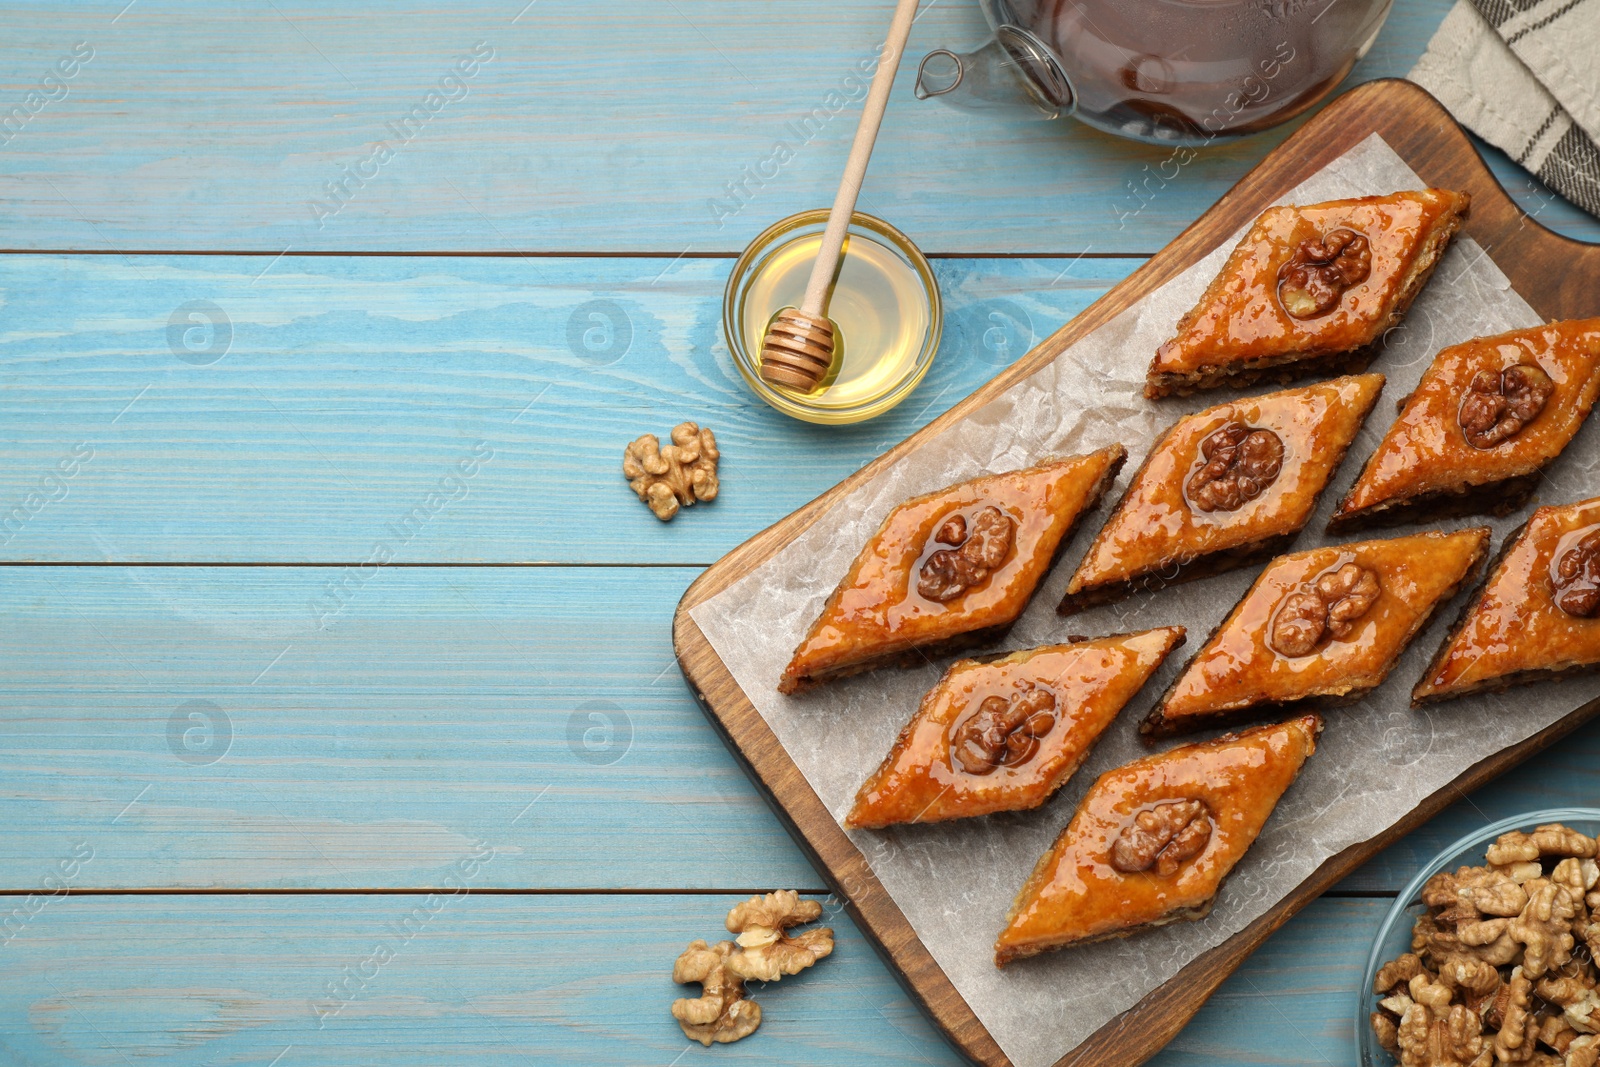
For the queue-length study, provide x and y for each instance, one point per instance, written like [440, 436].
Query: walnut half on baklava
[1309, 290]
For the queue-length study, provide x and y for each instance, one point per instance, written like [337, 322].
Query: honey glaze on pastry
[1309, 289]
[950, 569]
[1487, 416]
[1327, 608]
[1321, 270]
[1152, 841]
[1004, 730]
[1237, 463]
[977, 549]
[1004, 735]
[1222, 487]
[1537, 616]
[1327, 624]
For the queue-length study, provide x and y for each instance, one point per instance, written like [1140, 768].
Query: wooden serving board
[1559, 277]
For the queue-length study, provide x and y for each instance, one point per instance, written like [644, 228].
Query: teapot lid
[1041, 70]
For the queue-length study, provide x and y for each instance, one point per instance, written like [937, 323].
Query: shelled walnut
[1498, 406]
[1321, 270]
[1575, 576]
[766, 950]
[1003, 732]
[720, 1013]
[1330, 605]
[668, 477]
[1240, 463]
[1496, 974]
[980, 548]
[1165, 837]
[763, 951]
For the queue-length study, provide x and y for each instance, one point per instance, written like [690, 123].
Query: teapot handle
[1015, 70]
[929, 85]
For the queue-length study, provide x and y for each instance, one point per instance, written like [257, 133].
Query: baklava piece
[1486, 418]
[1310, 290]
[1222, 488]
[1005, 734]
[1325, 625]
[1151, 842]
[1536, 618]
[950, 569]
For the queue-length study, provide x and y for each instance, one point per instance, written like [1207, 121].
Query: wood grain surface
[1556, 275]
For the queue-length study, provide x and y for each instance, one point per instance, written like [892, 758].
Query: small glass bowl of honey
[884, 303]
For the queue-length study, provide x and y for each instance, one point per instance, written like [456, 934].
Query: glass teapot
[1166, 71]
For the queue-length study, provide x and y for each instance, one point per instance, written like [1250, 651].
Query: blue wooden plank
[200, 124]
[244, 728]
[315, 408]
[546, 980]
[486, 980]
[1293, 1002]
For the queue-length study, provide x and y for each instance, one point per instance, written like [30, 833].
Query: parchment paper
[1376, 761]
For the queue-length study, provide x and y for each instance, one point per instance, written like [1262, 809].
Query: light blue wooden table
[240, 347]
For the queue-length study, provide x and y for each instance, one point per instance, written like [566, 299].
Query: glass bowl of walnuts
[1487, 956]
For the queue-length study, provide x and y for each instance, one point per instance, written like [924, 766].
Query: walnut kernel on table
[764, 951]
[721, 1012]
[668, 477]
[767, 952]
[1502, 968]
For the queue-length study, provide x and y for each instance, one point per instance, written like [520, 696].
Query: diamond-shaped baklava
[1484, 421]
[1223, 487]
[1327, 624]
[1003, 735]
[1309, 290]
[950, 569]
[1536, 618]
[1152, 841]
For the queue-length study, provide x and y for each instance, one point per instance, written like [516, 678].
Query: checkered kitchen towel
[1525, 76]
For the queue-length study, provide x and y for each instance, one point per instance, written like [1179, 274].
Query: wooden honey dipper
[800, 342]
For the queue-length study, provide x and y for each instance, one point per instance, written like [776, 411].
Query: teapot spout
[1014, 72]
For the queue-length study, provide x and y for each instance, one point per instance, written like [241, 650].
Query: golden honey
[884, 304]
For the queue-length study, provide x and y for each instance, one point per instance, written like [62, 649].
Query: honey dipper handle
[855, 168]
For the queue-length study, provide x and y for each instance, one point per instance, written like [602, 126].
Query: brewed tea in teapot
[1173, 71]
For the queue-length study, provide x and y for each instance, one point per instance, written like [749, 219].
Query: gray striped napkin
[1525, 76]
